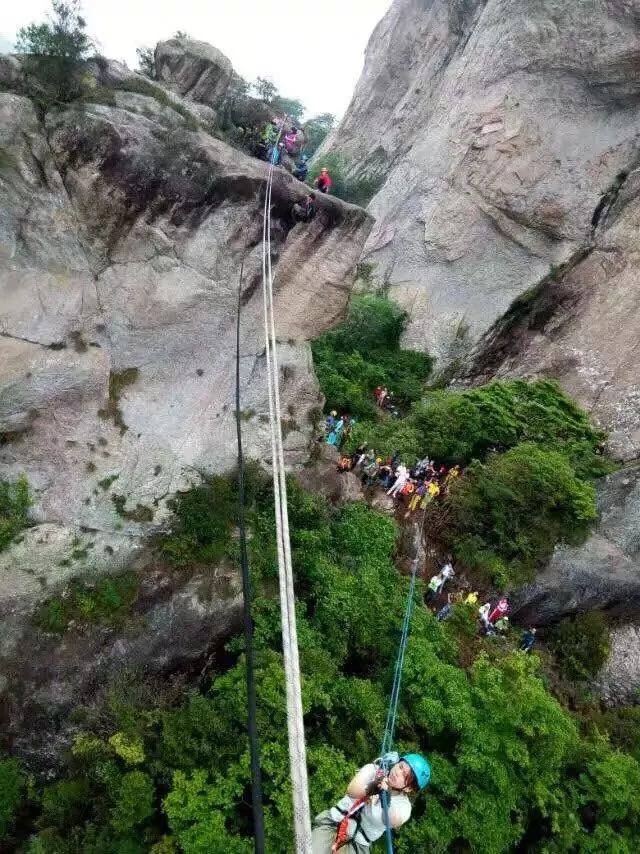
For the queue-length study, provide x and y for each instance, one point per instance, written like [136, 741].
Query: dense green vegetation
[358, 191]
[581, 645]
[507, 514]
[511, 768]
[364, 352]
[14, 507]
[108, 601]
[530, 453]
[54, 50]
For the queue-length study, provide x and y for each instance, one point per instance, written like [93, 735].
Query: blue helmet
[420, 767]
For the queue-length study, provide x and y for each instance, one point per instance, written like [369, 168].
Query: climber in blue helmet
[357, 820]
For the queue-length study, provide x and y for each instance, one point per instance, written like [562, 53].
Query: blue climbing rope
[392, 712]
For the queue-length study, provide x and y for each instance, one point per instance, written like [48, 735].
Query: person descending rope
[357, 820]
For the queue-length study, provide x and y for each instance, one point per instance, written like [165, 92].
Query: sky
[313, 50]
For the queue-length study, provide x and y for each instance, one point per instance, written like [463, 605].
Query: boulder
[194, 69]
[324, 479]
[11, 73]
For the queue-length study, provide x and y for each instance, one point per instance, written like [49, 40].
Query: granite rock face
[619, 680]
[581, 326]
[496, 127]
[123, 229]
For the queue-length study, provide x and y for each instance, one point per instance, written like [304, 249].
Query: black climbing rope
[254, 747]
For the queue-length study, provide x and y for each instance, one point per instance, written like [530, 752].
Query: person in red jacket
[501, 610]
[323, 182]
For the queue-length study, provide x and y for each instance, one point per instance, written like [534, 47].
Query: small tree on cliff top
[55, 48]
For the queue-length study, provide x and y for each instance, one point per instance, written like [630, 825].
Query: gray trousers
[324, 834]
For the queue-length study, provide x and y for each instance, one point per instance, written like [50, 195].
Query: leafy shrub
[11, 787]
[357, 191]
[55, 50]
[14, 507]
[108, 602]
[518, 505]
[458, 426]
[146, 62]
[581, 645]
[205, 516]
[364, 352]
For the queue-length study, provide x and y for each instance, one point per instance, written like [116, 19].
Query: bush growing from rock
[364, 352]
[14, 507]
[54, 52]
[517, 506]
[581, 645]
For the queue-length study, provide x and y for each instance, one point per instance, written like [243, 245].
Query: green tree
[581, 644]
[134, 803]
[316, 129]
[146, 62]
[54, 51]
[364, 352]
[291, 107]
[265, 89]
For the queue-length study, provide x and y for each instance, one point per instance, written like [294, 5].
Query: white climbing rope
[295, 722]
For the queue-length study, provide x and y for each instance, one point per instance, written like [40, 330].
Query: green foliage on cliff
[531, 453]
[581, 644]
[14, 507]
[108, 602]
[54, 51]
[459, 426]
[11, 789]
[364, 352]
[511, 770]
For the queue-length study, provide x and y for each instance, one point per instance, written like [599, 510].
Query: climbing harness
[295, 722]
[256, 785]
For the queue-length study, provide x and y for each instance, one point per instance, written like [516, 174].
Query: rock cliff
[123, 229]
[124, 226]
[497, 128]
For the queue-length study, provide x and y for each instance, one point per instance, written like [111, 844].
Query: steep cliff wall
[581, 325]
[498, 125]
[123, 227]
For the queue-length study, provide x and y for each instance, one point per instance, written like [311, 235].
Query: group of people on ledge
[278, 139]
[411, 488]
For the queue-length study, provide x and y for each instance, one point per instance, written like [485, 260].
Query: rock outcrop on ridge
[496, 128]
[123, 230]
[124, 227]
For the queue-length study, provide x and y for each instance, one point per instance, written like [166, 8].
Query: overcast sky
[313, 50]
